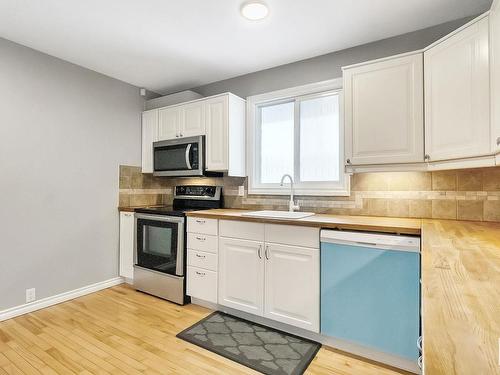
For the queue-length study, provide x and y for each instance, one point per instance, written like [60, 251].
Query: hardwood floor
[121, 331]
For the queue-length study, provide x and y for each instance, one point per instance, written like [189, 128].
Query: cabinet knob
[427, 157]
[348, 161]
[181, 135]
[498, 141]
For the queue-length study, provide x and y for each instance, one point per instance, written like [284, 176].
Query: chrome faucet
[292, 206]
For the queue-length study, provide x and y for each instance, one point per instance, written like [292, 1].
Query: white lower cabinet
[241, 275]
[127, 225]
[292, 285]
[279, 281]
[202, 262]
[202, 284]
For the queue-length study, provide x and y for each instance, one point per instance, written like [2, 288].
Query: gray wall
[64, 131]
[327, 66]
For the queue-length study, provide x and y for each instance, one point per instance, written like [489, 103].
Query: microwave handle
[188, 150]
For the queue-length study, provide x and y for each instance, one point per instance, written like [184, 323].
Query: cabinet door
[457, 95]
[241, 275]
[495, 74]
[193, 120]
[292, 285]
[169, 123]
[127, 227]
[384, 111]
[216, 112]
[149, 135]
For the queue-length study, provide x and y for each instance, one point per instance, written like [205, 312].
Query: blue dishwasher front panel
[371, 297]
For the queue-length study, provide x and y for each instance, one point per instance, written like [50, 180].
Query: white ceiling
[167, 45]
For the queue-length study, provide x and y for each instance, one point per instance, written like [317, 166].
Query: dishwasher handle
[372, 240]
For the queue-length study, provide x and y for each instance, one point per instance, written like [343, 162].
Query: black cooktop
[165, 210]
[188, 198]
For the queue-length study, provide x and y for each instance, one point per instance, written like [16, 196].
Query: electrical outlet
[30, 295]
[241, 191]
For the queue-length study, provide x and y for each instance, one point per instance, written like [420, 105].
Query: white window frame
[254, 103]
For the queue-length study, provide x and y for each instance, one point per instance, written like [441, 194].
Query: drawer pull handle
[419, 343]
[267, 252]
[200, 273]
[200, 221]
[260, 252]
[200, 238]
[419, 362]
[200, 256]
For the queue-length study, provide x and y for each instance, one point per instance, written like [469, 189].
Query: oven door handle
[170, 219]
[179, 267]
[188, 150]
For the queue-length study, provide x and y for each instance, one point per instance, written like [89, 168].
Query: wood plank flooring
[121, 331]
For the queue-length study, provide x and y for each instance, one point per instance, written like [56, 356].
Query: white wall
[64, 131]
[325, 67]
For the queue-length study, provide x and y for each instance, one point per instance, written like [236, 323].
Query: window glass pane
[276, 157]
[319, 139]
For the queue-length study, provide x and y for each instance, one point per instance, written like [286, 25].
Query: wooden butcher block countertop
[374, 224]
[461, 297]
[460, 284]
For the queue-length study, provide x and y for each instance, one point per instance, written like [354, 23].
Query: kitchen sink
[278, 214]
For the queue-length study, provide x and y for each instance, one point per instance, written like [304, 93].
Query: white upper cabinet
[149, 135]
[457, 95]
[225, 128]
[169, 123]
[193, 119]
[220, 118]
[241, 275]
[292, 285]
[495, 74]
[182, 121]
[384, 111]
[217, 133]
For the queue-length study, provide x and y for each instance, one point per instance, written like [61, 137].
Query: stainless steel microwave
[179, 157]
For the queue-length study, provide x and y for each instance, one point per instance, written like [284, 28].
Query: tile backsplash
[466, 194]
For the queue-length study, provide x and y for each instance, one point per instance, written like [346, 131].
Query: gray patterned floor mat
[261, 348]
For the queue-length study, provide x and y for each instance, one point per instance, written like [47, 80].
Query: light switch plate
[241, 191]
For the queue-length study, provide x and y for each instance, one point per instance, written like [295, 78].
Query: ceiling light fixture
[254, 10]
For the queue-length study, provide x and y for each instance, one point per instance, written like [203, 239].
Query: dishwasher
[370, 292]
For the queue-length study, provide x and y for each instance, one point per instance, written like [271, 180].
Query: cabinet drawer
[242, 229]
[203, 242]
[292, 235]
[202, 284]
[201, 225]
[201, 259]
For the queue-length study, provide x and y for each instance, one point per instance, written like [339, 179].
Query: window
[300, 135]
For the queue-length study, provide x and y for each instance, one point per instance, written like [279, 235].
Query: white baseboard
[54, 300]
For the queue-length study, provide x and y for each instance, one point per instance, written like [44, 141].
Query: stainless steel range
[160, 246]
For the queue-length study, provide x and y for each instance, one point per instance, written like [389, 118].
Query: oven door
[160, 243]
[178, 157]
